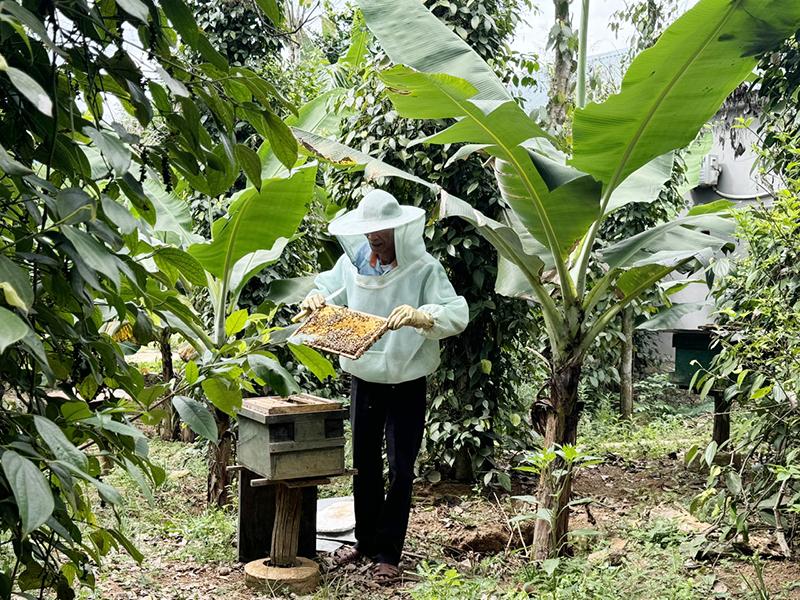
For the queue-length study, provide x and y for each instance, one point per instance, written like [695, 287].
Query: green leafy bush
[758, 368]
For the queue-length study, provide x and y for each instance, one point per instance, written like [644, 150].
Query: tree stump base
[302, 578]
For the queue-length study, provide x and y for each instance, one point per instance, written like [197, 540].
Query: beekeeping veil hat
[377, 210]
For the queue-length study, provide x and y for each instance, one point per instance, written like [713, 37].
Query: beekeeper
[386, 271]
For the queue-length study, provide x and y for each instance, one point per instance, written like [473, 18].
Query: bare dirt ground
[453, 526]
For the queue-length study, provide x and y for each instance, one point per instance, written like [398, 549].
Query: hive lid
[260, 408]
[341, 330]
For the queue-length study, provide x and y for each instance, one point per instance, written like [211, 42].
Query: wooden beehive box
[291, 438]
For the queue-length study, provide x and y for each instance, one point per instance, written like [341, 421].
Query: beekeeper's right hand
[309, 305]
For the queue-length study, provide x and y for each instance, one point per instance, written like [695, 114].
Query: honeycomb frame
[323, 330]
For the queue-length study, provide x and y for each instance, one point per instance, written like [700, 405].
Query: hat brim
[350, 223]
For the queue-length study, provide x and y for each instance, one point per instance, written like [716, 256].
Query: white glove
[408, 316]
[309, 305]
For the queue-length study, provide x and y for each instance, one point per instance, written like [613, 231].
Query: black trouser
[396, 412]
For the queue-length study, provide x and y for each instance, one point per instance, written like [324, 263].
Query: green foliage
[757, 369]
[474, 408]
[243, 33]
[655, 573]
[440, 582]
[93, 256]
[176, 511]
[777, 89]
[601, 368]
[665, 418]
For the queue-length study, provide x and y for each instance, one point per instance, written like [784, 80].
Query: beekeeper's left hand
[408, 316]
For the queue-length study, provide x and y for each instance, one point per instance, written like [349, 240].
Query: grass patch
[666, 419]
[178, 514]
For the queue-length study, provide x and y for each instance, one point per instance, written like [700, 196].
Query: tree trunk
[722, 418]
[219, 458]
[561, 427]
[563, 67]
[187, 435]
[626, 368]
[169, 427]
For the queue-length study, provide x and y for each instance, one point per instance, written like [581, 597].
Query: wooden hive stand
[287, 447]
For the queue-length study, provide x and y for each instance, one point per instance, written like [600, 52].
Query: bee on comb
[342, 331]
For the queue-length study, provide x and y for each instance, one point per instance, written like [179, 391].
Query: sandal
[346, 555]
[385, 573]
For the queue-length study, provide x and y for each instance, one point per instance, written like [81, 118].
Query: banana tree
[557, 203]
[237, 351]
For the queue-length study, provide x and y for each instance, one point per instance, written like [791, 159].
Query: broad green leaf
[31, 490]
[135, 8]
[411, 35]
[274, 374]
[644, 185]
[550, 565]
[281, 140]
[506, 122]
[94, 254]
[358, 51]
[191, 372]
[687, 234]
[320, 116]
[182, 19]
[58, 443]
[103, 421]
[235, 322]
[563, 215]
[503, 125]
[733, 482]
[674, 87]
[251, 163]
[107, 492]
[115, 152]
[175, 86]
[320, 366]
[710, 453]
[223, 394]
[197, 416]
[503, 237]
[123, 541]
[671, 318]
[138, 476]
[637, 280]
[150, 394]
[342, 156]
[15, 285]
[134, 191]
[720, 206]
[257, 220]
[186, 264]
[289, 291]
[28, 87]
[693, 160]
[512, 281]
[172, 213]
[270, 8]
[73, 205]
[420, 95]
[9, 165]
[12, 329]
[250, 265]
[208, 52]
